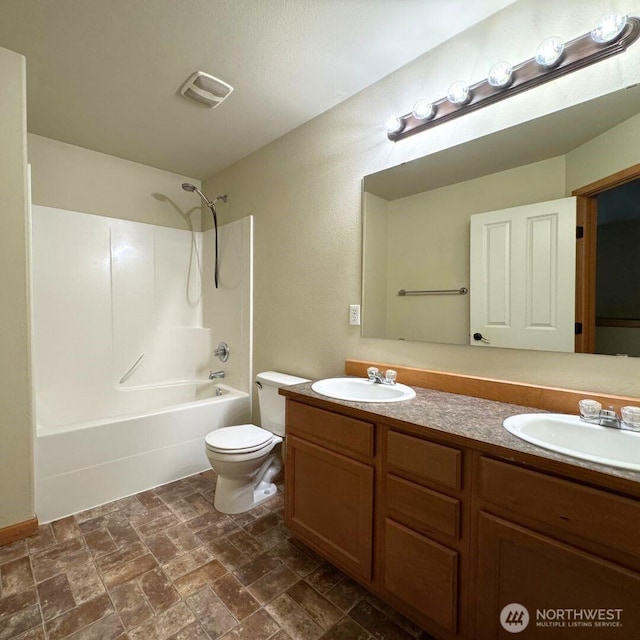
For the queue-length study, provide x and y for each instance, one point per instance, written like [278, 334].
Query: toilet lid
[243, 438]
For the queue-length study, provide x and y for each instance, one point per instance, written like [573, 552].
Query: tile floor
[165, 565]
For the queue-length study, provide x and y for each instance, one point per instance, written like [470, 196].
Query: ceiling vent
[206, 89]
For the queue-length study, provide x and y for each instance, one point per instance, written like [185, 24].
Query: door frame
[587, 218]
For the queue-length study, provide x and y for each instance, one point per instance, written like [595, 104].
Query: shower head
[187, 186]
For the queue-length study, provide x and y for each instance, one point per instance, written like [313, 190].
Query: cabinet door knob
[480, 338]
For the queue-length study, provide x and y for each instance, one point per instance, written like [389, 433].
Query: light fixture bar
[578, 53]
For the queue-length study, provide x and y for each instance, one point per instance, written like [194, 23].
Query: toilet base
[260, 494]
[263, 492]
[236, 495]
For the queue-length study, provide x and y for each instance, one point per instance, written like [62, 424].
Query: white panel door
[522, 285]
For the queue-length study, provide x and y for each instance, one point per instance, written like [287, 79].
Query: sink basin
[574, 437]
[362, 390]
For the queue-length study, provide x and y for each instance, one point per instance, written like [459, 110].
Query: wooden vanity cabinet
[449, 535]
[550, 544]
[336, 475]
[421, 550]
[329, 486]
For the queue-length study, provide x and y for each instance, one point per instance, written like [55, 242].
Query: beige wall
[603, 156]
[375, 265]
[16, 494]
[305, 192]
[68, 177]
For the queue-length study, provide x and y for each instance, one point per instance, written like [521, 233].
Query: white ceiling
[105, 74]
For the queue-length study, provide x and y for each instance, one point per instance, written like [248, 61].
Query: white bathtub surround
[91, 463]
[229, 308]
[120, 342]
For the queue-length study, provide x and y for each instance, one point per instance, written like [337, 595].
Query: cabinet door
[329, 504]
[422, 574]
[560, 591]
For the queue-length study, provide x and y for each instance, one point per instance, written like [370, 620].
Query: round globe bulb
[394, 124]
[609, 27]
[459, 93]
[550, 51]
[500, 74]
[423, 110]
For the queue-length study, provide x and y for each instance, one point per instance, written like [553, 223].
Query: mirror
[416, 216]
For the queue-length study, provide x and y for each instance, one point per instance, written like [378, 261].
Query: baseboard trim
[18, 531]
[528, 395]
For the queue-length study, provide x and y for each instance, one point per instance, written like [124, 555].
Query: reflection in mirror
[416, 222]
[618, 271]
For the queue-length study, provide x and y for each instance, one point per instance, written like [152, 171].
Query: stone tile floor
[165, 565]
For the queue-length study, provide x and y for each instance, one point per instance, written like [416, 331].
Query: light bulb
[500, 74]
[609, 27]
[459, 93]
[423, 110]
[550, 51]
[394, 124]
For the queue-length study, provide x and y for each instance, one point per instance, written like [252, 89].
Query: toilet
[247, 458]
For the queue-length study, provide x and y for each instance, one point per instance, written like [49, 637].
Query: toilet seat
[244, 438]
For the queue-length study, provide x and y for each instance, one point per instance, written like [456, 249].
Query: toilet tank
[271, 402]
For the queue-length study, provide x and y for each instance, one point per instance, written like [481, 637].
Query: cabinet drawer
[329, 429]
[421, 573]
[590, 513]
[424, 460]
[422, 509]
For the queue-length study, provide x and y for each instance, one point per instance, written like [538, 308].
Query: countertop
[474, 420]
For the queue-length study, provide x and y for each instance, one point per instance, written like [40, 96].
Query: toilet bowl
[246, 457]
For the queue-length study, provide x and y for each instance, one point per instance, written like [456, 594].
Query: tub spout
[216, 374]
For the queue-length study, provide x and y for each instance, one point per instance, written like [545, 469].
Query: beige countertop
[474, 421]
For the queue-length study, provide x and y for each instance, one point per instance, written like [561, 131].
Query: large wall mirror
[417, 233]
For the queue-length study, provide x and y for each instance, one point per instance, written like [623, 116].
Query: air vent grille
[206, 89]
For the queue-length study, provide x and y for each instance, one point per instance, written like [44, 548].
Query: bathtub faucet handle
[216, 374]
[222, 351]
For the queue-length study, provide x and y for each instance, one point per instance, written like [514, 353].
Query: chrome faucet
[605, 418]
[216, 374]
[609, 418]
[591, 411]
[376, 377]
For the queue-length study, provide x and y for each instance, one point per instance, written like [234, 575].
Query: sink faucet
[216, 374]
[605, 418]
[609, 418]
[376, 377]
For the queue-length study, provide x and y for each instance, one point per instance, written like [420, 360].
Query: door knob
[480, 338]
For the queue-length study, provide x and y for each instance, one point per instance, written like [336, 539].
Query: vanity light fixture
[549, 52]
[500, 74]
[609, 27]
[394, 125]
[612, 34]
[423, 110]
[459, 93]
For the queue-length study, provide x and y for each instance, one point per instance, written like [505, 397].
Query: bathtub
[86, 464]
